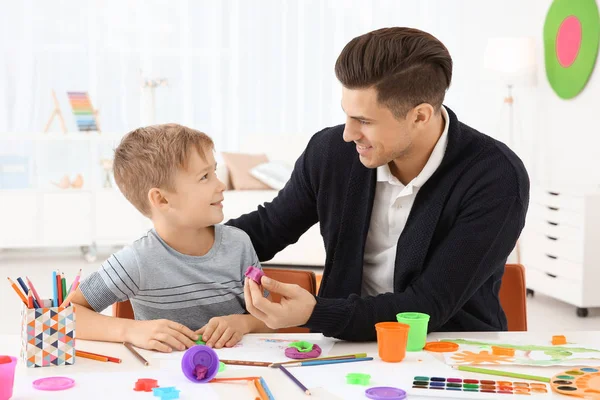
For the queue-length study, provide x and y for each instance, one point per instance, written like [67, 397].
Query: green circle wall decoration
[571, 39]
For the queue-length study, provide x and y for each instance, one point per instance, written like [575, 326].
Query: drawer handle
[551, 257]
[552, 223]
[551, 237]
[552, 208]
[550, 275]
[553, 193]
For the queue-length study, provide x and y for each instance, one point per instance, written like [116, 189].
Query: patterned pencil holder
[48, 336]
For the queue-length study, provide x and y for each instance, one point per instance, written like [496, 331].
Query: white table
[115, 381]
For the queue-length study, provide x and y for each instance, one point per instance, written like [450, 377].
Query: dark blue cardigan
[450, 259]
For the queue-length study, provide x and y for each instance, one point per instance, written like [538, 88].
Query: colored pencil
[26, 291]
[135, 353]
[17, 291]
[261, 390]
[35, 293]
[30, 300]
[63, 282]
[248, 363]
[501, 373]
[244, 378]
[296, 381]
[54, 290]
[59, 289]
[90, 356]
[254, 390]
[266, 388]
[325, 362]
[341, 357]
[75, 282]
[111, 359]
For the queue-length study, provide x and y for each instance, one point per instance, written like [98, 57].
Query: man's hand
[295, 308]
[225, 331]
[160, 334]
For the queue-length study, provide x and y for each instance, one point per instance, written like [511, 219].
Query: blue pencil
[54, 290]
[267, 391]
[323, 362]
[26, 290]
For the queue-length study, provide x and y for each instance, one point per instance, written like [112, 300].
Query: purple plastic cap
[385, 393]
[255, 274]
[200, 355]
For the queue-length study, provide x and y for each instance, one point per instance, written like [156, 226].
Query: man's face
[379, 136]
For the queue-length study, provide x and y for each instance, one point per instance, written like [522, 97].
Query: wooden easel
[56, 113]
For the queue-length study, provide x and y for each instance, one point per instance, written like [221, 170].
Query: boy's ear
[157, 199]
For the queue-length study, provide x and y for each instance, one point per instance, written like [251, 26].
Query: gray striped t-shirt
[163, 283]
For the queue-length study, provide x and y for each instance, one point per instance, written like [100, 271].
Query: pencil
[90, 356]
[249, 363]
[261, 390]
[501, 373]
[75, 282]
[266, 388]
[30, 300]
[35, 293]
[54, 290]
[63, 282]
[17, 290]
[244, 378]
[341, 357]
[135, 353]
[325, 362]
[59, 289]
[254, 390]
[111, 359]
[293, 378]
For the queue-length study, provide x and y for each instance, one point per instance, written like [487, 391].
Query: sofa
[309, 251]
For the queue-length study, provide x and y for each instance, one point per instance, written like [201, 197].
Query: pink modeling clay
[292, 352]
[254, 273]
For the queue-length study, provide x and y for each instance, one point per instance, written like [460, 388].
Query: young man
[184, 277]
[418, 211]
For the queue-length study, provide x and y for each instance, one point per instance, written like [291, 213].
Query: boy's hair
[406, 66]
[149, 157]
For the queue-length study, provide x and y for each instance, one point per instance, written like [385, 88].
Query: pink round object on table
[254, 273]
[292, 352]
[54, 383]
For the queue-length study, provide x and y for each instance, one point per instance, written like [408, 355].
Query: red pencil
[30, 299]
[59, 288]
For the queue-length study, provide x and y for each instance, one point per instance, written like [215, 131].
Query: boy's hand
[160, 334]
[225, 331]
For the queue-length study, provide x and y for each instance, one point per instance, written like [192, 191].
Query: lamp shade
[512, 60]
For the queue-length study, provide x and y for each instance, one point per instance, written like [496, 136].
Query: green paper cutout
[528, 347]
[569, 82]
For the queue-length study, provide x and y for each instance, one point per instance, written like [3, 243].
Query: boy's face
[379, 136]
[197, 200]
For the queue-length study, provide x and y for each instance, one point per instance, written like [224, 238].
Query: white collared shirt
[391, 207]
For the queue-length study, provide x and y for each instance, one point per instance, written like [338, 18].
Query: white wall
[237, 68]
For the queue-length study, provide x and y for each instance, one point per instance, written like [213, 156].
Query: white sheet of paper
[260, 348]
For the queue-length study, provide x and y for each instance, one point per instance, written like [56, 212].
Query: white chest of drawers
[560, 245]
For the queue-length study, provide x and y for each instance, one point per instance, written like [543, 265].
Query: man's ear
[157, 199]
[422, 114]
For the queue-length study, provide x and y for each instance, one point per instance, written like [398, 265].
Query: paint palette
[478, 386]
[580, 382]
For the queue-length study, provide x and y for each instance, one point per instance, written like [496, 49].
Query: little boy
[185, 277]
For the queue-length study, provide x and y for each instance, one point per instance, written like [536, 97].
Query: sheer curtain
[234, 67]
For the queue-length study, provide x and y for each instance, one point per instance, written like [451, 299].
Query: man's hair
[406, 66]
[149, 157]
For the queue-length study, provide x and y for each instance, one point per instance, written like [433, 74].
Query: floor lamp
[511, 62]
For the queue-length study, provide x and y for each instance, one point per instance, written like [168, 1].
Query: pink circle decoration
[568, 41]
[292, 352]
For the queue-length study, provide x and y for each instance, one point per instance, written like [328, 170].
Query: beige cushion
[239, 166]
